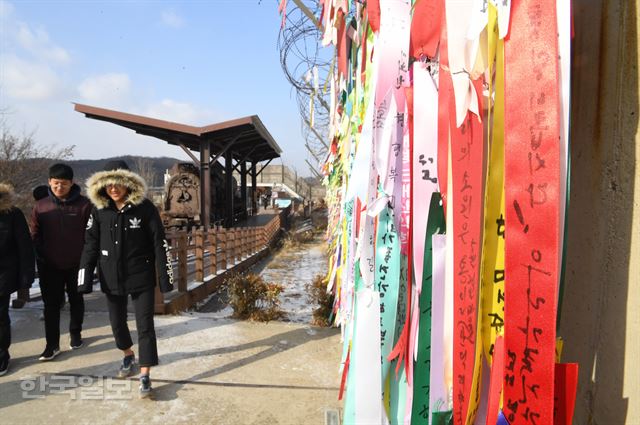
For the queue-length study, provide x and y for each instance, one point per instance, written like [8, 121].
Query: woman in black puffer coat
[17, 265]
[125, 239]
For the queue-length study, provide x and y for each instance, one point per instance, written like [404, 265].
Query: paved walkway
[212, 370]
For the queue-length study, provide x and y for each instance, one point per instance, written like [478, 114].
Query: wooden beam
[226, 148]
[254, 164]
[243, 160]
[188, 152]
[264, 166]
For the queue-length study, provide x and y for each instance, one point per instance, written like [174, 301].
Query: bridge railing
[202, 258]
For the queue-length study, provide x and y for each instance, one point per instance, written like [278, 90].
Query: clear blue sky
[194, 62]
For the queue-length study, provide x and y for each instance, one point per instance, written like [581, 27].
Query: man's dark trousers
[5, 326]
[53, 283]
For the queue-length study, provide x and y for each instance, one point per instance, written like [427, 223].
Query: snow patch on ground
[294, 268]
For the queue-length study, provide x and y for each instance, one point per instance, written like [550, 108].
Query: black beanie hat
[61, 171]
[40, 192]
[115, 165]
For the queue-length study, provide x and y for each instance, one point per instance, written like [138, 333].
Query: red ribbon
[445, 92]
[532, 176]
[425, 28]
[373, 13]
[342, 44]
[495, 387]
[566, 385]
[467, 158]
[345, 372]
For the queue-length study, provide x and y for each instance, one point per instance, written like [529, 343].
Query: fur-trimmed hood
[6, 197]
[98, 182]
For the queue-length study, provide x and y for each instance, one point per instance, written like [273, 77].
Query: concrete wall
[282, 174]
[600, 318]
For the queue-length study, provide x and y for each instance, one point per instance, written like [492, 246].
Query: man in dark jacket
[125, 238]
[17, 265]
[58, 223]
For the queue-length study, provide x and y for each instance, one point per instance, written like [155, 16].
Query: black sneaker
[127, 366]
[145, 386]
[49, 354]
[75, 341]
[4, 365]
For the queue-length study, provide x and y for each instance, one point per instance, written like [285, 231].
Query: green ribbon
[398, 385]
[442, 418]
[386, 278]
[422, 369]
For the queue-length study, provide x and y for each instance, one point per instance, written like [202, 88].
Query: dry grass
[322, 315]
[252, 298]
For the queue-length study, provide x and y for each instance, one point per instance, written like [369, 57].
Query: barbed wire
[308, 67]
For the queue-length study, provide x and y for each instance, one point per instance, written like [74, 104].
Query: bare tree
[144, 167]
[24, 163]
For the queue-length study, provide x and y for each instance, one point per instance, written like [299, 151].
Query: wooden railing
[202, 259]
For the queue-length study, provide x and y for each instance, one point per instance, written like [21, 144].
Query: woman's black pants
[143, 304]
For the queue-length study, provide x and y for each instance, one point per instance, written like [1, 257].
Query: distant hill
[151, 169]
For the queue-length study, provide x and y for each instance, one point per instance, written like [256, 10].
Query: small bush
[318, 296]
[289, 242]
[293, 240]
[251, 297]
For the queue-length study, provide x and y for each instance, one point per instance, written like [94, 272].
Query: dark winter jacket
[57, 229]
[129, 245]
[17, 262]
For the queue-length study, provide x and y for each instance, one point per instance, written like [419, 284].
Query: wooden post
[231, 247]
[158, 307]
[222, 244]
[205, 184]
[228, 188]
[182, 262]
[213, 252]
[247, 241]
[245, 250]
[256, 241]
[254, 189]
[243, 187]
[236, 245]
[253, 241]
[263, 235]
[199, 263]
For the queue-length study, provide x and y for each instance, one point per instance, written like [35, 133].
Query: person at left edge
[58, 223]
[17, 265]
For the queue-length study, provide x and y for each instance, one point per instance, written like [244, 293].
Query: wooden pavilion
[243, 143]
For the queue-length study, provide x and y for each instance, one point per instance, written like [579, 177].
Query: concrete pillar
[600, 318]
